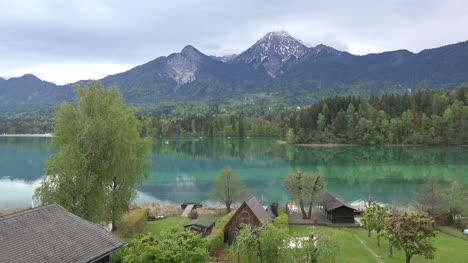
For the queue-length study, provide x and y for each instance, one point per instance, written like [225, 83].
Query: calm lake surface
[184, 170]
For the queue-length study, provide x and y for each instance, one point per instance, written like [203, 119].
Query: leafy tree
[455, 198]
[430, 196]
[173, 246]
[97, 156]
[375, 218]
[270, 244]
[412, 233]
[290, 136]
[228, 188]
[260, 245]
[305, 188]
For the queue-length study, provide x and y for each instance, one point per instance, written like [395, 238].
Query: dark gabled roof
[52, 234]
[257, 209]
[203, 222]
[331, 201]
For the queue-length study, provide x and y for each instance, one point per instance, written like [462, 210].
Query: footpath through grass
[449, 249]
[349, 248]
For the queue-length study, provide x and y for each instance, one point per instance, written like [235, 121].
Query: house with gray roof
[336, 209]
[251, 212]
[203, 225]
[52, 234]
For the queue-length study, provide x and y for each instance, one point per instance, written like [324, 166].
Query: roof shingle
[52, 234]
[331, 201]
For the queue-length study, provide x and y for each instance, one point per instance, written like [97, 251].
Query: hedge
[281, 221]
[132, 223]
[216, 238]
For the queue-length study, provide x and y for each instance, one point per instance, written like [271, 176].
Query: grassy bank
[450, 249]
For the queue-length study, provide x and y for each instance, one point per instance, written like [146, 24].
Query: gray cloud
[133, 32]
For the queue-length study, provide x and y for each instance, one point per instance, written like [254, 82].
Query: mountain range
[278, 67]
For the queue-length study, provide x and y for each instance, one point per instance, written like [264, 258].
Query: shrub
[193, 214]
[175, 245]
[132, 223]
[281, 221]
[216, 238]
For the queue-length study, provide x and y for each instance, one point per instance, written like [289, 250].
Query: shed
[52, 234]
[251, 212]
[336, 209]
[204, 226]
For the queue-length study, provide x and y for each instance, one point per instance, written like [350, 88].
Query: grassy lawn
[450, 230]
[349, 248]
[158, 226]
[449, 249]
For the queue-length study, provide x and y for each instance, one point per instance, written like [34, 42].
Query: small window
[245, 218]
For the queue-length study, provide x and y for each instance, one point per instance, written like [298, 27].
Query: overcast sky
[67, 40]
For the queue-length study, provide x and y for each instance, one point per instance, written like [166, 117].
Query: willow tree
[228, 188]
[98, 156]
[306, 188]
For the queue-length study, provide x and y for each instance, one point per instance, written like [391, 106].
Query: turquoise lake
[184, 170]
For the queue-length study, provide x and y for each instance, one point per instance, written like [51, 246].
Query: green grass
[349, 248]
[449, 249]
[453, 231]
[158, 226]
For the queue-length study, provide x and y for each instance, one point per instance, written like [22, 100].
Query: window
[245, 218]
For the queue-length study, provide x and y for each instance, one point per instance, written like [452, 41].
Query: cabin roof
[257, 209]
[203, 222]
[52, 234]
[331, 201]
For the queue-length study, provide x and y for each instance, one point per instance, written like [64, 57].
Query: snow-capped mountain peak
[272, 51]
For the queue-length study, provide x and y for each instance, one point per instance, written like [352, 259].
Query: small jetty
[188, 207]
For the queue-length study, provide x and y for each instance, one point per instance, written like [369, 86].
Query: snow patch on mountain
[272, 51]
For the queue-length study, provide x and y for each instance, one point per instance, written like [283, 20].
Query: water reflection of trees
[364, 162]
[217, 147]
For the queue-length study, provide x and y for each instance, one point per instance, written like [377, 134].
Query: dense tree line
[226, 125]
[427, 117]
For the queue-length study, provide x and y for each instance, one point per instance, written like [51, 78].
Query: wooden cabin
[52, 234]
[336, 209]
[251, 212]
[204, 226]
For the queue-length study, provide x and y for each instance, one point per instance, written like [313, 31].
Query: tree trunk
[368, 233]
[390, 250]
[408, 258]
[378, 239]
[228, 207]
[310, 211]
[114, 225]
[301, 204]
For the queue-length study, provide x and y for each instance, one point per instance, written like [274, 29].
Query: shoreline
[353, 144]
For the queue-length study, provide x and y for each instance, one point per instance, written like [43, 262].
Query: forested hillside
[427, 117]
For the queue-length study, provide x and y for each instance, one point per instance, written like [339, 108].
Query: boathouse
[52, 234]
[336, 209]
[251, 212]
[204, 226]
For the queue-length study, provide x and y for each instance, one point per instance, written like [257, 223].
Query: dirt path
[377, 257]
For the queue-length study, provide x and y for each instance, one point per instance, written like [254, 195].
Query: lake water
[184, 170]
